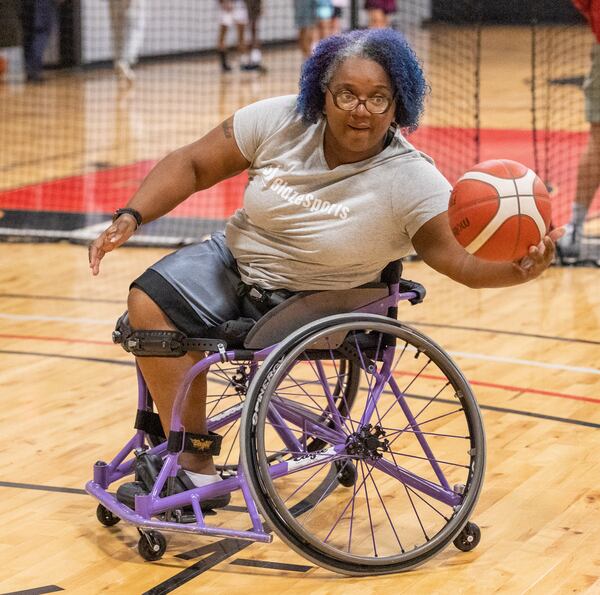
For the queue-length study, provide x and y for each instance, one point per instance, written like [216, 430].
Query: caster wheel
[346, 473]
[106, 517]
[468, 538]
[152, 545]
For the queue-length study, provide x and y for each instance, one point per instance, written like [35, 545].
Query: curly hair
[386, 47]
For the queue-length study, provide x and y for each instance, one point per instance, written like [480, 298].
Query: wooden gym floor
[67, 394]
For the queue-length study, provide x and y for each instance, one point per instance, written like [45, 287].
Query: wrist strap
[127, 211]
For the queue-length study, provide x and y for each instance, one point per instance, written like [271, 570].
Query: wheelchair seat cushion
[307, 306]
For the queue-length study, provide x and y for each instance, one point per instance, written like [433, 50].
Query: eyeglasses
[347, 101]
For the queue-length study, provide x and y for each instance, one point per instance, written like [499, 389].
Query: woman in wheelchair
[335, 192]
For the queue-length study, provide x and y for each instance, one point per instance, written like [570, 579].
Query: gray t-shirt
[305, 226]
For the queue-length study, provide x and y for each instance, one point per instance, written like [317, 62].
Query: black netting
[78, 136]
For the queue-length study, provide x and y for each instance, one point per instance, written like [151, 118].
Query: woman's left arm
[437, 246]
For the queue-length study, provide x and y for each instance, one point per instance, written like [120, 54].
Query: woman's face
[359, 131]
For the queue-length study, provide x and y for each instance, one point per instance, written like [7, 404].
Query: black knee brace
[147, 343]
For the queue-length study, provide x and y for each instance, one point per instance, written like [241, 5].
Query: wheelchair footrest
[147, 468]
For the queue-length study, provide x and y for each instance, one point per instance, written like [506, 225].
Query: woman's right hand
[110, 239]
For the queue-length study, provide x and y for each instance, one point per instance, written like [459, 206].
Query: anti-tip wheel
[106, 517]
[468, 538]
[152, 545]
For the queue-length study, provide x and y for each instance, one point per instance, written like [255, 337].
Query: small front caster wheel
[152, 545]
[347, 474]
[468, 538]
[106, 517]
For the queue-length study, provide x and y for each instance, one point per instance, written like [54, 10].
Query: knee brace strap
[147, 343]
[205, 444]
[149, 422]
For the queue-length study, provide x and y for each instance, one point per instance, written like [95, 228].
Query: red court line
[55, 339]
[506, 387]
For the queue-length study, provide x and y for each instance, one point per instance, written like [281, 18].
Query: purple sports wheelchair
[355, 437]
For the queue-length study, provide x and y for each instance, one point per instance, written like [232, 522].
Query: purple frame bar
[419, 435]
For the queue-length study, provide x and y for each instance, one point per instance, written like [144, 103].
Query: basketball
[498, 209]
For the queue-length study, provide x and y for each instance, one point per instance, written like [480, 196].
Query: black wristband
[127, 211]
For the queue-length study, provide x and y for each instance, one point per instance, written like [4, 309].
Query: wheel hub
[368, 442]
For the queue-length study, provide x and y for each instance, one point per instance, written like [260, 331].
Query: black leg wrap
[149, 422]
[161, 343]
[204, 444]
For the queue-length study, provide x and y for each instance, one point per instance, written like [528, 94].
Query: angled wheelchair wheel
[227, 385]
[226, 392]
[412, 446]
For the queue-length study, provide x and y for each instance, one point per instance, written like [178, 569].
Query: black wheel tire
[468, 538]
[106, 517]
[152, 546]
[347, 473]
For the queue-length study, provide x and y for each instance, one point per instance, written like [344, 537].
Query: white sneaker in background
[124, 71]
[255, 56]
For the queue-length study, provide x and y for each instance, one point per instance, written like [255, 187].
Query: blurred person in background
[10, 30]
[233, 13]
[379, 12]
[324, 12]
[338, 11]
[127, 21]
[254, 9]
[588, 171]
[305, 19]
[38, 19]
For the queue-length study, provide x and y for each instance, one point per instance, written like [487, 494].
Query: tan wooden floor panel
[61, 415]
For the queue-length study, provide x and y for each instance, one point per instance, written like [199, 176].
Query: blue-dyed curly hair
[386, 47]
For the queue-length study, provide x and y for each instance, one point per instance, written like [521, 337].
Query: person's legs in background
[128, 20]
[379, 12]
[225, 21]
[588, 171]
[336, 20]
[324, 11]
[38, 19]
[377, 19]
[254, 8]
[305, 19]
[240, 16]
[135, 23]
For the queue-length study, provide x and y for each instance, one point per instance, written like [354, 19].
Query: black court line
[498, 332]
[32, 486]
[218, 552]
[36, 591]
[59, 298]
[226, 548]
[271, 565]
[565, 420]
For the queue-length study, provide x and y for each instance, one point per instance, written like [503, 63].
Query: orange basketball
[498, 209]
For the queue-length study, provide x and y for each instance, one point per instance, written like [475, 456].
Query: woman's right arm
[200, 165]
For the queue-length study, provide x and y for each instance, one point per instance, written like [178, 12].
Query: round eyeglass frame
[358, 102]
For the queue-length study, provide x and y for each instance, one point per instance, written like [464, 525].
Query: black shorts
[197, 287]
